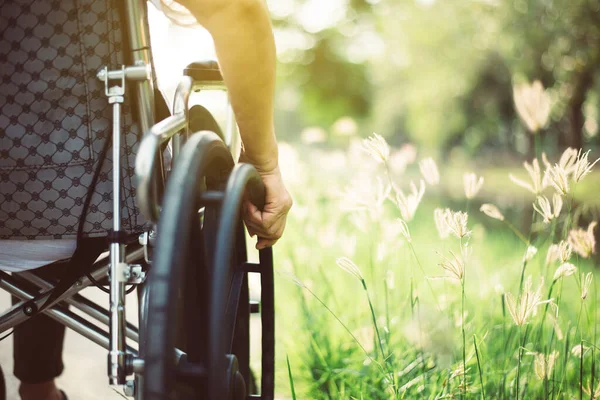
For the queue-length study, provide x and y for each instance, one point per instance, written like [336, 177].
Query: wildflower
[553, 254]
[530, 253]
[567, 160]
[544, 363]
[440, 223]
[537, 183]
[588, 390]
[403, 226]
[579, 350]
[582, 167]
[549, 212]
[460, 371]
[429, 170]
[585, 284]
[583, 242]
[472, 184]
[377, 147]
[457, 222]
[349, 266]
[566, 269]
[558, 177]
[533, 105]
[454, 266]
[408, 204]
[527, 304]
[491, 211]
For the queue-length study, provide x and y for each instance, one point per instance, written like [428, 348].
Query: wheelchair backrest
[55, 119]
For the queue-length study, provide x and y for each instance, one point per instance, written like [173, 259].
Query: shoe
[64, 395]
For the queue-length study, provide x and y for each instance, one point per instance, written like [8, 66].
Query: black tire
[203, 158]
[208, 314]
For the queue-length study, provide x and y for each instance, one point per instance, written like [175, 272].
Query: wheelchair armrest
[204, 71]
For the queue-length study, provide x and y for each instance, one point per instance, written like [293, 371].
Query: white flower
[558, 177]
[530, 253]
[533, 105]
[559, 252]
[349, 266]
[544, 364]
[567, 160]
[527, 304]
[566, 269]
[582, 167]
[404, 230]
[472, 184]
[408, 204]
[491, 211]
[583, 242]
[537, 182]
[455, 266]
[546, 210]
[429, 170]
[586, 281]
[377, 147]
[440, 223]
[457, 222]
[579, 350]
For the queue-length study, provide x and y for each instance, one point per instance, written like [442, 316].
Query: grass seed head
[532, 103]
[457, 222]
[377, 147]
[348, 265]
[583, 241]
[558, 177]
[538, 183]
[544, 364]
[530, 253]
[525, 307]
[429, 170]
[547, 210]
[440, 223]
[408, 204]
[566, 269]
[491, 211]
[582, 167]
[586, 281]
[454, 266]
[472, 184]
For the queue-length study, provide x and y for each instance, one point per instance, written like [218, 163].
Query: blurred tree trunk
[583, 82]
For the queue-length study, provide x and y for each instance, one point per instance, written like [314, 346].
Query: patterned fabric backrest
[55, 119]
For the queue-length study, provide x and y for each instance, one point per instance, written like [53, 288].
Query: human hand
[269, 223]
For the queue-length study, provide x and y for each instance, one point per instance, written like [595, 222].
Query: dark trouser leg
[38, 343]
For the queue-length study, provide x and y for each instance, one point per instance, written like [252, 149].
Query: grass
[414, 338]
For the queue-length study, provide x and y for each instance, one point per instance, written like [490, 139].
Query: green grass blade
[291, 378]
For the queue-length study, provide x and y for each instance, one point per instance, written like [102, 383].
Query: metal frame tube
[65, 317]
[81, 303]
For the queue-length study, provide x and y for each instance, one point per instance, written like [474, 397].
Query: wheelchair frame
[119, 265]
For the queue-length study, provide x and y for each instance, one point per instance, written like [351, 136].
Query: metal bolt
[28, 310]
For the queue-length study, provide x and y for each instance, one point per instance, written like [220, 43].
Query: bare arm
[241, 30]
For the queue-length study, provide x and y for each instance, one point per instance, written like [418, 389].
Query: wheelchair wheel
[205, 314]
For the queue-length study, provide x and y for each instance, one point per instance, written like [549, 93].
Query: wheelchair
[191, 269]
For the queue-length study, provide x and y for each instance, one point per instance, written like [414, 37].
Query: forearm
[243, 38]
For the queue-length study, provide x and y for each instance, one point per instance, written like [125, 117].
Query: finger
[264, 243]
